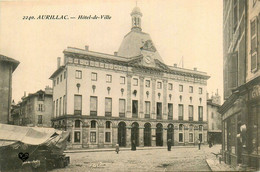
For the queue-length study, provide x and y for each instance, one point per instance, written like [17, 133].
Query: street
[178, 159]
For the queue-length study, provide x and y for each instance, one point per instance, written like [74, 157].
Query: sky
[191, 29]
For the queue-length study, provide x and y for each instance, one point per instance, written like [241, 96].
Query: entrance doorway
[147, 134]
[170, 133]
[135, 133]
[122, 134]
[159, 134]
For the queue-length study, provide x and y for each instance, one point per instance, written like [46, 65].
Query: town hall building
[131, 96]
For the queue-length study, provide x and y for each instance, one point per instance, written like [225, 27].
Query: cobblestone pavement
[179, 159]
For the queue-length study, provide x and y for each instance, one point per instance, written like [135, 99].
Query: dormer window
[41, 96]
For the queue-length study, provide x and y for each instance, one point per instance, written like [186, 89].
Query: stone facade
[7, 67]
[128, 97]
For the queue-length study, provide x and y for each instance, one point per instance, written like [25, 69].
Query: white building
[131, 96]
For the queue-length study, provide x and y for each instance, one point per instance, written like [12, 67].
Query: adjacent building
[130, 96]
[34, 110]
[7, 67]
[241, 109]
[214, 119]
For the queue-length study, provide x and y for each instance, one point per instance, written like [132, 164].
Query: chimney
[58, 62]
[115, 53]
[86, 47]
[175, 65]
[195, 69]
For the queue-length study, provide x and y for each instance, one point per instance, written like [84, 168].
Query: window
[61, 78]
[212, 115]
[254, 44]
[135, 81]
[147, 109]
[94, 76]
[39, 119]
[77, 124]
[180, 110]
[77, 137]
[40, 107]
[121, 107]
[54, 82]
[235, 15]
[93, 137]
[159, 110]
[108, 124]
[180, 88]
[58, 80]
[57, 105]
[200, 111]
[170, 111]
[122, 80]
[77, 104]
[191, 131]
[200, 128]
[159, 85]
[135, 108]
[60, 107]
[40, 97]
[200, 90]
[108, 107]
[147, 83]
[78, 74]
[93, 106]
[181, 129]
[93, 124]
[190, 113]
[170, 86]
[109, 78]
[108, 137]
[190, 89]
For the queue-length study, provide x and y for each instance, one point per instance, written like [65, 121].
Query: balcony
[108, 114]
[147, 115]
[134, 115]
[77, 112]
[159, 116]
[180, 118]
[122, 115]
[93, 113]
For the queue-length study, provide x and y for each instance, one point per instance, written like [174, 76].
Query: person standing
[199, 143]
[169, 144]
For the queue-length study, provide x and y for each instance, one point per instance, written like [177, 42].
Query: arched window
[77, 131]
[93, 132]
[181, 133]
[191, 131]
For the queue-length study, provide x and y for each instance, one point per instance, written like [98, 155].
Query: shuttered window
[232, 70]
[253, 29]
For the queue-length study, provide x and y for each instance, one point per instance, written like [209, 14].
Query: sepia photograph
[133, 85]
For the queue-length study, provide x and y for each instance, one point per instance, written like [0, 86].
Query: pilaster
[101, 136]
[153, 114]
[153, 130]
[165, 115]
[114, 135]
[141, 136]
[141, 112]
[129, 94]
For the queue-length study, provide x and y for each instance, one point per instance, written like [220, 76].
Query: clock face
[147, 59]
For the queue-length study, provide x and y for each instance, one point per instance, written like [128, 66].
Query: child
[117, 148]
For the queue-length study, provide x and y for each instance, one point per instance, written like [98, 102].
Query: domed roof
[136, 10]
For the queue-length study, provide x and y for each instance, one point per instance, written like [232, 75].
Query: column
[141, 136]
[101, 136]
[114, 135]
[141, 111]
[153, 130]
[164, 136]
[128, 136]
[153, 114]
[165, 105]
[129, 94]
